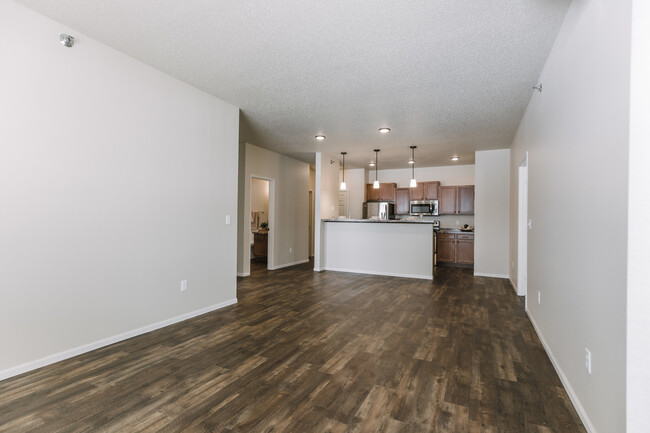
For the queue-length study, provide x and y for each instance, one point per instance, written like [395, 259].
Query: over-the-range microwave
[424, 207]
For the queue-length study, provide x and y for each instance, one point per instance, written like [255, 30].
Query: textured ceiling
[449, 76]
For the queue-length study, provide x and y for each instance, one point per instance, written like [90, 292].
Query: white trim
[318, 269]
[387, 274]
[514, 286]
[286, 265]
[567, 385]
[243, 274]
[33, 365]
[483, 274]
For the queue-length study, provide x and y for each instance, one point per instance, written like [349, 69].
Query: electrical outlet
[539, 297]
[290, 250]
[457, 222]
[587, 360]
[227, 219]
[184, 286]
[530, 224]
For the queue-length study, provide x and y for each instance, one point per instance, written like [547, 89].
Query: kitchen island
[382, 247]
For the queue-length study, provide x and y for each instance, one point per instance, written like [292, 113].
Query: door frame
[271, 238]
[522, 224]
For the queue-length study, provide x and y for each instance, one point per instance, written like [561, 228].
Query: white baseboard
[387, 274]
[243, 274]
[567, 385]
[483, 274]
[286, 265]
[318, 269]
[51, 359]
[514, 286]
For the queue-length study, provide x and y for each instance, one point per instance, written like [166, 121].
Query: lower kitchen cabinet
[456, 248]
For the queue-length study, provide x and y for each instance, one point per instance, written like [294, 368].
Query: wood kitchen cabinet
[371, 193]
[431, 190]
[425, 191]
[456, 200]
[456, 248]
[402, 201]
[417, 192]
[385, 192]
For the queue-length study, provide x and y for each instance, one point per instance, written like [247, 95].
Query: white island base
[399, 249]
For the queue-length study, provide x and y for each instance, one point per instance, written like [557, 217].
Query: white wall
[327, 199]
[356, 184]
[492, 213]
[288, 215]
[638, 301]
[576, 135]
[115, 183]
[447, 175]
[260, 198]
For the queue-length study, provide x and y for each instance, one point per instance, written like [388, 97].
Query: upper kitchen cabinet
[402, 201]
[466, 200]
[417, 192]
[385, 192]
[456, 200]
[431, 190]
[372, 194]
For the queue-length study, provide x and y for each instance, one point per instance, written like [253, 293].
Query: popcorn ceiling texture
[450, 76]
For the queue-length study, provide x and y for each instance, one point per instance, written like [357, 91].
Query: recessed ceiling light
[384, 130]
[455, 158]
[320, 137]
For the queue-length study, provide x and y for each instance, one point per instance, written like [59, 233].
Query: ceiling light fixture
[413, 183]
[455, 158]
[320, 137]
[343, 186]
[66, 40]
[375, 184]
[384, 130]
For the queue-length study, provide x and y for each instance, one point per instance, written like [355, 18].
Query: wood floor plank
[314, 352]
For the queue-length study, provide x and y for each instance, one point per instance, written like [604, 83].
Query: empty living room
[450, 233]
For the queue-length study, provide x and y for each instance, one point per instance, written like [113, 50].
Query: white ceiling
[449, 76]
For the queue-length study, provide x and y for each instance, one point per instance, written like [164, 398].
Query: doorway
[261, 219]
[522, 238]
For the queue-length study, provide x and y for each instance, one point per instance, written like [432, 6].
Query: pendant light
[412, 162]
[375, 184]
[343, 186]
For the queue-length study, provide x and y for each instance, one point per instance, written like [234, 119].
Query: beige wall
[288, 207]
[576, 135]
[115, 184]
[492, 213]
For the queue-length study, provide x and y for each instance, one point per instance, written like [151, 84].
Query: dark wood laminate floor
[314, 352]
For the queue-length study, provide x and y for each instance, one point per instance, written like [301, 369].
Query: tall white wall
[492, 213]
[356, 185]
[638, 300]
[327, 200]
[115, 184]
[288, 207]
[576, 134]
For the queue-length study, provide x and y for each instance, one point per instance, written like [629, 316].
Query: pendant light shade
[375, 184]
[412, 162]
[343, 186]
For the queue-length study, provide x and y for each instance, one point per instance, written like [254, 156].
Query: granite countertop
[454, 230]
[374, 221]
